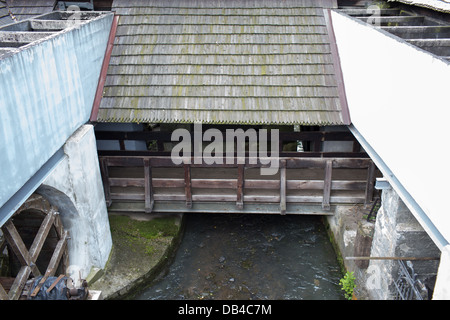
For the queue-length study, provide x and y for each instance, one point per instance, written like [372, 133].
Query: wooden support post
[3, 294]
[240, 187]
[283, 187]
[122, 145]
[317, 145]
[370, 183]
[187, 185]
[53, 264]
[149, 201]
[41, 236]
[105, 179]
[18, 247]
[356, 146]
[18, 284]
[327, 185]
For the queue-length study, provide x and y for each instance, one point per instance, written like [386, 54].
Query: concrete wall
[47, 90]
[75, 187]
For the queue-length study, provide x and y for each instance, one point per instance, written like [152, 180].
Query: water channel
[229, 256]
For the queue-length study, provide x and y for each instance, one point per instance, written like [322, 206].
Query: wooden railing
[299, 180]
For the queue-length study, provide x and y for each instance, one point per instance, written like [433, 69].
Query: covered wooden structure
[240, 64]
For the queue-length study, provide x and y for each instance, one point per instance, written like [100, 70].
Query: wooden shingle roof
[247, 62]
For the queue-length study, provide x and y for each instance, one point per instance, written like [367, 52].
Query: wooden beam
[187, 185]
[105, 180]
[283, 187]
[53, 264]
[55, 283]
[3, 294]
[370, 183]
[216, 183]
[327, 185]
[284, 154]
[395, 20]
[41, 235]
[240, 187]
[17, 287]
[18, 247]
[149, 201]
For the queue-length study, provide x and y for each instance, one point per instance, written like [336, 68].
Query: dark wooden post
[282, 187]
[240, 187]
[187, 185]
[105, 179]
[370, 183]
[327, 185]
[149, 201]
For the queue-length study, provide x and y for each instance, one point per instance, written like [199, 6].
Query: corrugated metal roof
[221, 62]
[23, 9]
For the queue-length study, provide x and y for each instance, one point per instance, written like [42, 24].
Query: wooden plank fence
[122, 187]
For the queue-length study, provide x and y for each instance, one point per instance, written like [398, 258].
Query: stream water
[229, 256]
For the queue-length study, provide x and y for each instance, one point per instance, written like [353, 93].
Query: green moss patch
[141, 235]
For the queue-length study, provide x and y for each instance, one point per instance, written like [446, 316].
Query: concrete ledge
[132, 267]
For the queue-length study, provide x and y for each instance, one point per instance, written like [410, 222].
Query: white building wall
[85, 215]
[399, 103]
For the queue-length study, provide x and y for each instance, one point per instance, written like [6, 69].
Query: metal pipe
[393, 258]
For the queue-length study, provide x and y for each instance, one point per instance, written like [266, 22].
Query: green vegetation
[348, 285]
[142, 234]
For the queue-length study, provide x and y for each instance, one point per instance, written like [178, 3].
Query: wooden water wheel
[37, 246]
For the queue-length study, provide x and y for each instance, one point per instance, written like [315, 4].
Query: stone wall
[398, 234]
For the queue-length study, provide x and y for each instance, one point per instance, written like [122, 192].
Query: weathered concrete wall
[347, 226]
[47, 90]
[75, 187]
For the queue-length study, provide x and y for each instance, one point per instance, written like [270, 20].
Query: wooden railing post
[327, 185]
[105, 179]
[149, 202]
[240, 187]
[188, 185]
[370, 183]
[282, 187]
